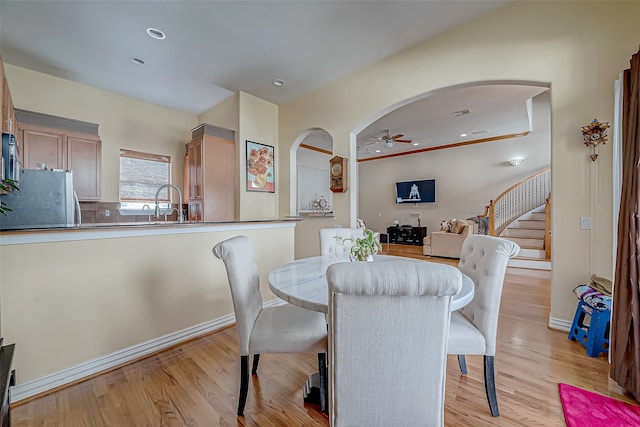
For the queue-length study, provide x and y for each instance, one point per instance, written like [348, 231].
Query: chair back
[330, 241]
[484, 259]
[388, 329]
[242, 271]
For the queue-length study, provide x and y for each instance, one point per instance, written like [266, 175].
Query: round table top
[304, 283]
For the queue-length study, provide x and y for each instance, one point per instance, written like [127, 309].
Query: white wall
[313, 177]
[467, 177]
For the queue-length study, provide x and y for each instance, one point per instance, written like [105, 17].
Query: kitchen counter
[110, 230]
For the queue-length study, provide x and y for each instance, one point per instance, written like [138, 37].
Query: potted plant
[362, 248]
[6, 186]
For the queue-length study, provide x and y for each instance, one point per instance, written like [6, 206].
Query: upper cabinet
[9, 124]
[212, 174]
[79, 150]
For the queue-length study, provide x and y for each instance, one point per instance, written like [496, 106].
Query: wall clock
[339, 174]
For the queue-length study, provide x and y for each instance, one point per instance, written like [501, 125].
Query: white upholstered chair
[388, 326]
[280, 329]
[474, 328]
[330, 239]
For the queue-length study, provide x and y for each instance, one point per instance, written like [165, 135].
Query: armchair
[448, 244]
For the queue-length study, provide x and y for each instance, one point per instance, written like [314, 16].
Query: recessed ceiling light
[156, 34]
[377, 151]
[416, 143]
[137, 61]
[278, 82]
[462, 135]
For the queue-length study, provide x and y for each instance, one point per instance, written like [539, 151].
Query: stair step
[531, 253]
[527, 223]
[532, 233]
[527, 243]
[528, 263]
[534, 216]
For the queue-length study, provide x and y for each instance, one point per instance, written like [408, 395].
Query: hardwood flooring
[196, 383]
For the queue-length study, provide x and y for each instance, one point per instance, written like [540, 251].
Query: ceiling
[216, 48]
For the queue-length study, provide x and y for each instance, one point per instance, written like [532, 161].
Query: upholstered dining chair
[474, 328]
[280, 329]
[330, 240]
[388, 327]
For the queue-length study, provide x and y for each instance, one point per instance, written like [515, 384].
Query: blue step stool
[595, 334]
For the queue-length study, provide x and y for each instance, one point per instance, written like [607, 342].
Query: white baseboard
[560, 324]
[95, 366]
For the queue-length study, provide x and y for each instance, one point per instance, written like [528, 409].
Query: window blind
[141, 174]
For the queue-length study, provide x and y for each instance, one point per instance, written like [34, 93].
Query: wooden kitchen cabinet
[9, 124]
[62, 149]
[212, 176]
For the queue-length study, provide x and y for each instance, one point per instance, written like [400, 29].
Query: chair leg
[462, 362]
[322, 375]
[244, 383]
[490, 385]
[256, 359]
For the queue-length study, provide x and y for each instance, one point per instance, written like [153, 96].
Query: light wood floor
[196, 383]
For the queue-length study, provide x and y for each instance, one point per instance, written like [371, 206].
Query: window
[141, 174]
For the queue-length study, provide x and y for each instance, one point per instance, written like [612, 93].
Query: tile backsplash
[107, 212]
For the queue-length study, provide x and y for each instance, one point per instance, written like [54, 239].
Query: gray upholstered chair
[474, 328]
[388, 326]
[280, 329]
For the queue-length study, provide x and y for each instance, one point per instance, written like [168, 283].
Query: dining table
[303, 283]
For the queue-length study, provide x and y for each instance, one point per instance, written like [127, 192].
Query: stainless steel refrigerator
[46, 200]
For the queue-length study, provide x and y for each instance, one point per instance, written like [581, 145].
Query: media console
[407, 235]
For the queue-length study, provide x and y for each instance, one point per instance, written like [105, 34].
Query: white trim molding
[93, 367]
[560, 324]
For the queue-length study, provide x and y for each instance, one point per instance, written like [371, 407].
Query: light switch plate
[585, 223]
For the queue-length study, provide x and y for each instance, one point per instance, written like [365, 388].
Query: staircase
[520, 214]
[528, 232]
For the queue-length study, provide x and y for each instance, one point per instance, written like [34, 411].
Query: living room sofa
[448, 244]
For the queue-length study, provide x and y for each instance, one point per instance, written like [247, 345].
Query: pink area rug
[583, 408]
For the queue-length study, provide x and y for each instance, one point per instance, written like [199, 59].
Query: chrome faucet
[149, 212]
[157, 211]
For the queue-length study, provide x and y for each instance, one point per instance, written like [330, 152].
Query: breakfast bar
[103, 295]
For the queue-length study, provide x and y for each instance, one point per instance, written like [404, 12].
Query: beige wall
[466, 177]
[124, 122]
[258, 123]
[577, 47]
[66, 303]
[224, 114]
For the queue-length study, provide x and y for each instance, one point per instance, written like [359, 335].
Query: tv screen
[423, 191]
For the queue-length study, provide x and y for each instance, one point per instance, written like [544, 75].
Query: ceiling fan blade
[397, 136]
[403, 140]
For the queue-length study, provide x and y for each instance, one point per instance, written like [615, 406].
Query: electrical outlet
[107, 212]
[585, 223]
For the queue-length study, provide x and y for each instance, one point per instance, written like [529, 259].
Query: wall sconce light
[594, 134]
[516, 161]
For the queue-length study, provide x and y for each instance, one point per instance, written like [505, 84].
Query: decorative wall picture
[260, 168]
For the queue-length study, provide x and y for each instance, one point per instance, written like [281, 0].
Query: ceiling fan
[388, 139]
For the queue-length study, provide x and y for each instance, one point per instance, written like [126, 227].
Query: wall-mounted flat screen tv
[423, 191]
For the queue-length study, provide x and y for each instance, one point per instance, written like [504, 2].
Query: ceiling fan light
[388, 144]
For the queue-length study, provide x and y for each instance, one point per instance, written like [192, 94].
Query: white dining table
[303, 282]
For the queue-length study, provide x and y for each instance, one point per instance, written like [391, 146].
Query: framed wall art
[260, 168]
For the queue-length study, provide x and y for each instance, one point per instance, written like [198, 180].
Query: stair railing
[519, 199]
